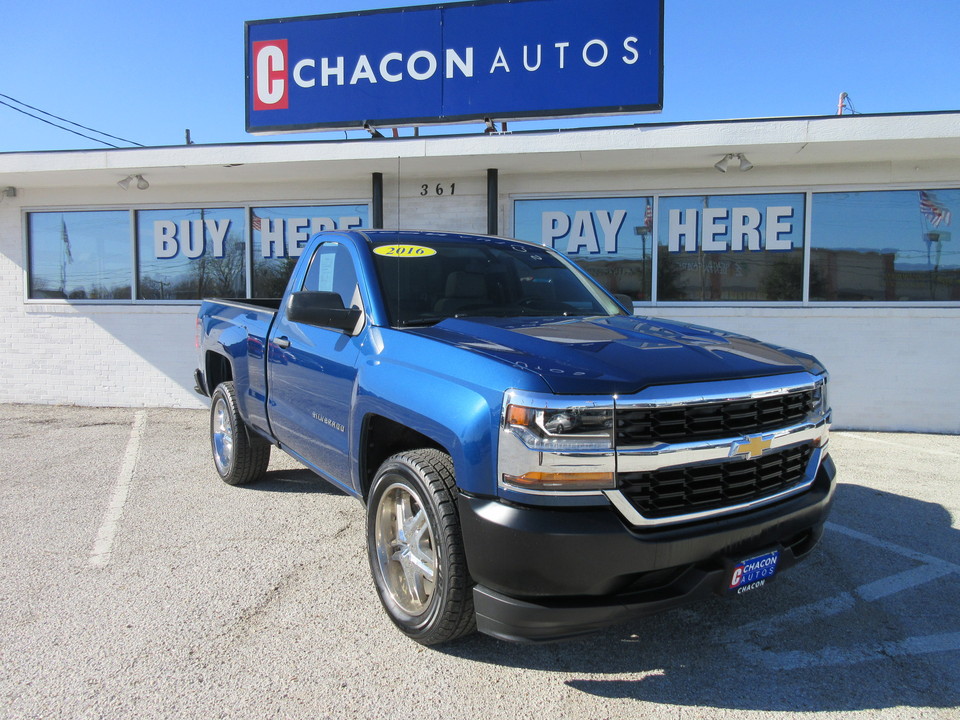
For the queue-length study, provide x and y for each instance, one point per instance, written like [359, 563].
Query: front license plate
[754, 573]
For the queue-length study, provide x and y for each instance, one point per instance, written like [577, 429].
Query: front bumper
[547, 574]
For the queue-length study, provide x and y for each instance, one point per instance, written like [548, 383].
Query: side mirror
[322, 309]
[624, 300]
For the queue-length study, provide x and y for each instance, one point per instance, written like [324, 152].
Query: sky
[147, 71]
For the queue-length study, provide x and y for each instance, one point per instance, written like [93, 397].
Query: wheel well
[382, 438]
[218, 369]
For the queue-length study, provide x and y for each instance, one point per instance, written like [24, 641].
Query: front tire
[416, 549]
[239, 455]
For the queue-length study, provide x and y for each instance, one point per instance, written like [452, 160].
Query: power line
[48, 122]
[99, 132]
[35, 117]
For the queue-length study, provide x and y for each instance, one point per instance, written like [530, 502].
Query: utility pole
[844, 103]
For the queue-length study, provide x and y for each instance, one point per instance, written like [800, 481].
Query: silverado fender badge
[339, 427]
[753, 446]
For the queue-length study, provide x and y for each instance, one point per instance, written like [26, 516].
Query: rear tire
[416, 549]
[239, 455]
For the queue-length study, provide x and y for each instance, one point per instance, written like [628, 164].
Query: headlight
[821, 400]
[553, 448]
[568, 429]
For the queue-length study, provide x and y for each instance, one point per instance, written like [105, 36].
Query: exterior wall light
[725, 161]
[142, 183]
[9, 191]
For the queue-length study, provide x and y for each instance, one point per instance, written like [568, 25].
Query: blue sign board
[499, 59]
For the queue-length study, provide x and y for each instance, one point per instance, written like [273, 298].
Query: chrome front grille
[668, 454]
[692, 453]
[698, 488]
[708, 421]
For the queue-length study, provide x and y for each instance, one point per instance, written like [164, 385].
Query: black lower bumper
[547, 574]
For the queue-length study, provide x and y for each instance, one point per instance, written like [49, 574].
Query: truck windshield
[431, 281]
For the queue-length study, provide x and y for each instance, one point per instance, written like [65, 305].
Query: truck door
[311, 372]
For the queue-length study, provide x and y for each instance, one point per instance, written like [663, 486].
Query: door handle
[282, 342]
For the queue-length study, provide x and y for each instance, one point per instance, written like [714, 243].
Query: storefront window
[189, 254]
[280, 234]
[610, 238]
[730, 248]
[81, 255]
[884, 246]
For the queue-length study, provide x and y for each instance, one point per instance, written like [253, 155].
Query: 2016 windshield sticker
[405, 251]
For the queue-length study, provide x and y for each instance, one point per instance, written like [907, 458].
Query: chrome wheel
[406, 549]
[241, 456]
[222, 436]
[415, 547]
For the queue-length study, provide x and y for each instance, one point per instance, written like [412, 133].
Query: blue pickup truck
[535, 461]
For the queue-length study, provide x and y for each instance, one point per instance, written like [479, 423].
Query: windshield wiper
[422, 321]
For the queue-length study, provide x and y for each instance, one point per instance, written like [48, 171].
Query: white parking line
[802, 614]
[749, 638]
[913, 448]
[892, 547]
[103, 546]
[833, 656]
[905, 580]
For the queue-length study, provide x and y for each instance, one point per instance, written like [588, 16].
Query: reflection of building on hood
[662, 338]
[574, 333]
[718, 342]
[751, 350]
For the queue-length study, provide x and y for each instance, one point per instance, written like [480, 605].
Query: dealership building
[833, 235]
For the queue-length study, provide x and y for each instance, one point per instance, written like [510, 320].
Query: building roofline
[470, 135]
[643, 147]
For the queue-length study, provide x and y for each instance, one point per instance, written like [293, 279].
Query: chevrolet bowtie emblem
[752, 446]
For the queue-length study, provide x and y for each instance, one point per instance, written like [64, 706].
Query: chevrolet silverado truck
[536, 462]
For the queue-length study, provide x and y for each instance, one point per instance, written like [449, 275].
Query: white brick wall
[117, 355]
[890, 368]
[101, 355]
[893, 368]
[463, 211]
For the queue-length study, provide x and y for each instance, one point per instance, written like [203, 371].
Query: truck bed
[257, 303]
[239, 328]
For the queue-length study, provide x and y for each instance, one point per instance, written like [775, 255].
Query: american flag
[933, 210]
[255, 221]
[648, 217]
[65, 237]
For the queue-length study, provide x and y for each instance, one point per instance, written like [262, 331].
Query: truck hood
[621, 354]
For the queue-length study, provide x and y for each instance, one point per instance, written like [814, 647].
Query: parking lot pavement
[133, 583]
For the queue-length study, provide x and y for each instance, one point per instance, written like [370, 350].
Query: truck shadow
[870, 621]
[294, 480]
